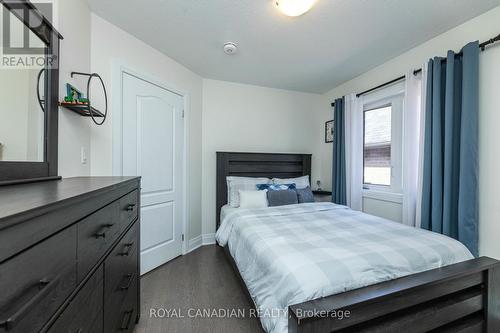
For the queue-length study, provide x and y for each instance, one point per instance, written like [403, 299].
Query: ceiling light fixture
[294, 7]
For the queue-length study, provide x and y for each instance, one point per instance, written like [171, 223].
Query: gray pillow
[305, 195]
[281, 198]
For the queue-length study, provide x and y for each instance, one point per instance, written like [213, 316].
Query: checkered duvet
[291, 254]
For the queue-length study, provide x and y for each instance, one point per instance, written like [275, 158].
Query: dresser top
[21, 200]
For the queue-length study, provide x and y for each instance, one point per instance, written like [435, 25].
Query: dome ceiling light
[294, 7]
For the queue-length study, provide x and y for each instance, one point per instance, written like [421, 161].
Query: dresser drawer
[121, 264]
[121, 274]
[96, 234]
[125, 319]
[129, 206]
[85, 312]
[35, 283]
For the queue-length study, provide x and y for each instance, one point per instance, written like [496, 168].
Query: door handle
[130, 208]
[45, 286]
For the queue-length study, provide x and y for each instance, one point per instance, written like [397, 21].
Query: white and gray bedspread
[291, 254]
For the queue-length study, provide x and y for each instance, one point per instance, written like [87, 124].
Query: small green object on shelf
[74, 96]
[72, 92]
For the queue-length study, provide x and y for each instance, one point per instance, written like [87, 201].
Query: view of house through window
[377, 146]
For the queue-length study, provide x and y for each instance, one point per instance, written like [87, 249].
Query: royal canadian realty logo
[25, 35]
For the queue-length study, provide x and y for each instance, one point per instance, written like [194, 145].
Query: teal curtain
[450, 168]
[339, 195]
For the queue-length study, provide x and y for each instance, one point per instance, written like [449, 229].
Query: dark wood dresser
[69, 255]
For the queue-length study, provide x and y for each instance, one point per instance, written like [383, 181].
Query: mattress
[291, 254]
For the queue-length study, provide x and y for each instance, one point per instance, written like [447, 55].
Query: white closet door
[153, 134]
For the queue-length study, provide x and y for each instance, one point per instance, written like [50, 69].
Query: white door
[153, 146]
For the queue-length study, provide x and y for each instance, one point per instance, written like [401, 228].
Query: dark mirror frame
[21, 172]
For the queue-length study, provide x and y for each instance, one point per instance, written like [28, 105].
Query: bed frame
[463, 297]
[257, 165]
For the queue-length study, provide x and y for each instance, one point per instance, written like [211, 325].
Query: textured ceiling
[334, 42]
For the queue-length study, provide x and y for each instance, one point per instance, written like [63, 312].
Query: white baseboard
[199, 241]
[208, 239]
[194, 243]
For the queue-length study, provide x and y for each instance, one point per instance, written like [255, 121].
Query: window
[377, 146]
[383, 143]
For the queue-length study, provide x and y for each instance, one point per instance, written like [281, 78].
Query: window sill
[383, 196]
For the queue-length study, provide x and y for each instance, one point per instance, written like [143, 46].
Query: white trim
[383, 93]
[383, 196]
[208, 239]
[199, 241]
[194, 244]
[394, 97]
[118, 68]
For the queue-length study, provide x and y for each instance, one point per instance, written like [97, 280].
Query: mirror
[22, 119]
[29, 85]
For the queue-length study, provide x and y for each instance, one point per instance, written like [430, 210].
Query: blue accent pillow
[305, 195]
[276, 187]
[282, 198]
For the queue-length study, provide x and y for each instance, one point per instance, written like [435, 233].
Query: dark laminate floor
[202, 279]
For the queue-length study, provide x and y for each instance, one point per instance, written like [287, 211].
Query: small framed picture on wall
[329, 131]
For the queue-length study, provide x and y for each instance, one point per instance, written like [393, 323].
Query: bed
[323, 267]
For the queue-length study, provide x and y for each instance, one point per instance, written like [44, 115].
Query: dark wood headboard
[257, 165]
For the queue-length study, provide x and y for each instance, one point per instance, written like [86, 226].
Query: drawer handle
[130, 208]
[102, 231]
[127, 316]
[45, 286]
[128, 248]
[129, 282]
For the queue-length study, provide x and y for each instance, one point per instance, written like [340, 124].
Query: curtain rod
[482, 46]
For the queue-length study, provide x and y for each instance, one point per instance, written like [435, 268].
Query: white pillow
[253, 199]
[300, 182]
[234, 184]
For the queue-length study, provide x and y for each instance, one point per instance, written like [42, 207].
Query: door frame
[118, 68]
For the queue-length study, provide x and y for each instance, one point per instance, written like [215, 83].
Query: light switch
[83, 155]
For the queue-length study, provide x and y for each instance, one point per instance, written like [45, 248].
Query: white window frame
[393, 96]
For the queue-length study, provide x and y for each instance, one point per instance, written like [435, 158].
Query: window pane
[377, 146]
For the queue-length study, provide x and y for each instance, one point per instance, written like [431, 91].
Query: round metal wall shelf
[87, 110]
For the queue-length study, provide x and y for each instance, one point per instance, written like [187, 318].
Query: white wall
[480, 28]
[74, 130]
[111, 45]
[239, 117]
[391, 210]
